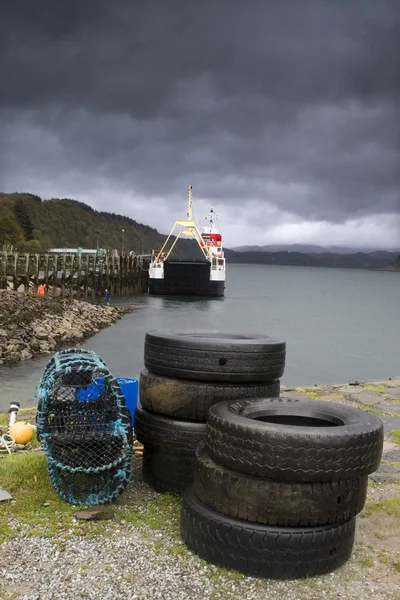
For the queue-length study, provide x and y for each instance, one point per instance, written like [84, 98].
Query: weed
[311, 393]
[375, 388]
[367, 562]
[157, 514]
[395, 436]
[390, 506]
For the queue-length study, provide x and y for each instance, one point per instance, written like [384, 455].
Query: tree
[33, 247]
[10, 229]
[23, 218]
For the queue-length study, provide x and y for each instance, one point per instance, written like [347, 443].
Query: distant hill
[33, 225]
[313, 249]
[358, 260]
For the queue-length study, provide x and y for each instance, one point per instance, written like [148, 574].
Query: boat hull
[187, 278]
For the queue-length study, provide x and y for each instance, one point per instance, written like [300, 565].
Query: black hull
[186, 278]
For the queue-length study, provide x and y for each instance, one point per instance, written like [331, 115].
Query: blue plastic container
[129, 389]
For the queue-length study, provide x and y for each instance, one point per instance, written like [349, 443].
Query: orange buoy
[21, 432]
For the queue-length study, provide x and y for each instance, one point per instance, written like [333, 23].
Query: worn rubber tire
[274, 502]
[263, 550]
[168, 435]
[167, 473]
[291, 452]
[214, 356]
[185, 399]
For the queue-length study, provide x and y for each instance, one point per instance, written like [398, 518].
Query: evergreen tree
[23, 218]
[10, 230]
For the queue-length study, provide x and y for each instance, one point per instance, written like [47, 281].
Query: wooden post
[26, 278]
[55, 274]
[100, 277]
[86, 281]
[46, 272]
[15, 268]
[94, 277]
[79, 277]
[63, 268]
[71, 277]
[107, 272]
[4, 271]
[37, 269]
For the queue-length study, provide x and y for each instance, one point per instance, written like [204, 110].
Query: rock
[366, 398]
[45, 326]
[25, 354]
[34, 344]
[95, 513]
[41, 334]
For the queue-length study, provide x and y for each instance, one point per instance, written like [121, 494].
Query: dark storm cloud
[291, 105]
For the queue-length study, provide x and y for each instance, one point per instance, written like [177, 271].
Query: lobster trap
[84, 427]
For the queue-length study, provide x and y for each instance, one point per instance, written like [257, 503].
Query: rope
[7, 443]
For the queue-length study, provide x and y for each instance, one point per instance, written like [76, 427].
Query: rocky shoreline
[32, 326]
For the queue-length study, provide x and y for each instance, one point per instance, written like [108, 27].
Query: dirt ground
[145, 519]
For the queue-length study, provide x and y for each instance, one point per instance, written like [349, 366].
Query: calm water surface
[339, 325]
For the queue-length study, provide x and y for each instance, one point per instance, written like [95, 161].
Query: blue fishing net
[84, 427]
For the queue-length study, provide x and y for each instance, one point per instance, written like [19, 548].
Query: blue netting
[84, 427]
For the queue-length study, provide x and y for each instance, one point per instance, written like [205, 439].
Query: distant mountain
[312, 249]
[357, 260]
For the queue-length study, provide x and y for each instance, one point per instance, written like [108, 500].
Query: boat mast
[190, 203]
[188, 227]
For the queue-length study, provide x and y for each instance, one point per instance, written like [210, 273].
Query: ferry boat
[190, 277]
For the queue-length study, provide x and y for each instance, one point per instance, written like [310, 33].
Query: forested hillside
[32, 224]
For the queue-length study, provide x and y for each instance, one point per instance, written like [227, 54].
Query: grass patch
[314, 393]
[163, 511]
[395, 436]
[367, 562]
[36, 504]
[366, 407]
[375, 388]
[390, 506]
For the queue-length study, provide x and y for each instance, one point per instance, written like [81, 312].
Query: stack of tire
[278, 484]
[186, 373]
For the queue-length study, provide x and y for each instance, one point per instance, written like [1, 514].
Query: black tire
[289, 440]
[273, 502]
[185, 399]
[169, 435]
[214, 356]
[167, 473]
[263, 550]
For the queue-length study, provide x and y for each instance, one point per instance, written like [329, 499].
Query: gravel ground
[138, 555]
[116, 559]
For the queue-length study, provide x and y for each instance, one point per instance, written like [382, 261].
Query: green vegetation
[33, 225]
[311, 393]
[395, 436]
[375, 388]
[160, 512]
[36, 503]
[390, 506]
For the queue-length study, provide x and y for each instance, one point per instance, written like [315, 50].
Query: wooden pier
[83, 276]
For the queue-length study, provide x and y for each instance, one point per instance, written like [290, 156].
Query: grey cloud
[292, 105]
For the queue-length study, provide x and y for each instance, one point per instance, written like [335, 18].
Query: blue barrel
[130, 391]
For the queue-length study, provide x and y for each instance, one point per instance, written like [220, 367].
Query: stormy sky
[284, 115]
